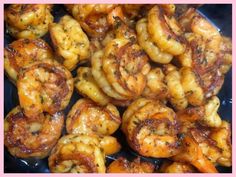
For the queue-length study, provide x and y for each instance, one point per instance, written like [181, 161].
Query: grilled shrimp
[176, 92]
[205, 52]
[165, 32]
[70, 42]
[122, 165]
[183, 87]
[207, 113]
[28, 20]
[23, 52]
[192, 153]
[145, 41]
[151, 128]
[120, 70]
[87, 117]
[125, 66]
[155, 87]
[87, 86]
[25, 138]
[176, 167]
[92, 17]
[44, 87]
[81, 154]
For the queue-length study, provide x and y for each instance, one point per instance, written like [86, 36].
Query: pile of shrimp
[162, 64]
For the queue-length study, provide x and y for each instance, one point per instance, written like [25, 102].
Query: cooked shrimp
[92, 17]
[87, 86]
[222, 136]
[183, 87]
[86, 117]
[155, 87]
[122, 165]
[25, 138]
[193, 154]
[23, 52]
[100, 76]
[81, 154]
[124, 69]
[176, 91]
[207, 113]
[125, 66]
[70, 42]
[44, 87]
[145, 41]
[176, 167]
[205, 51]
[28, 20]
[151, 128]
[192, 88]
[77, 154]
[165, 32]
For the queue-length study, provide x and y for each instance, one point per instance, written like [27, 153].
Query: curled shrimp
[81, 153]
[92, 17]
[176, 167]
[205, 51]
[23, 52]
[78, 154]
[122, 165]
[193, 154]
[207, 113]
[145, 41]
[87, 86]
[28, 20]
[44, 87]
[176, 92]
[183, 87]
[70, 42]
[125, 66]
[25, 138]
[155, 87]
[165, 32]
[150, 128]
[124, 69]
[87, 117]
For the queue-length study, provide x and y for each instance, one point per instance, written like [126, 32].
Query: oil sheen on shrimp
[25, 138]
[151, 128]
[87, 117]
[125, 68]
[155, 87]
[23, 52]
[70, 42]
[28, 20]
[165, 32]
[122, 165]
[44, 87]
[207, 49]
[92, 17]
[88, 87]
[145, 41]
[82, 153]
[192, 153]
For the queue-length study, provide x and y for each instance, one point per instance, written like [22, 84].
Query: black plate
[220, 15]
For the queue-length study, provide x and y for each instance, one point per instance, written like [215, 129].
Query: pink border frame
[119, 1]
